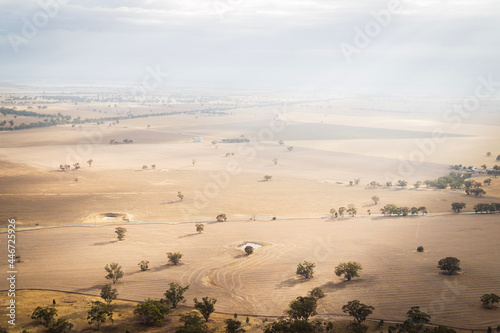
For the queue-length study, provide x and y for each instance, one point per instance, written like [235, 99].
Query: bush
[248, 250]
[152, 312]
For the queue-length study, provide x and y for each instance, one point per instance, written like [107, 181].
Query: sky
[403, 45]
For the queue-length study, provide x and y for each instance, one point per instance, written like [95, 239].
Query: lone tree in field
[174, 294]
[200, 227]
[108, 293]
[267, 178]
[449, 264]
[489, 300]
[306, 269]
[174, 257]
[317, 293]
[206, 306]
[420, 249]
[152, 312]
[291, 148]
[375, 199]
[417, 318]
[275, 161]
[98, 314]
[114, 272]
[90, 162]
[193, 323]
[180, 195]
[348, 269]
[221, 217]
[144, 265]
[302, 308]
[120, 233]
[45, 316]
[358, 310]
[457, 206]
[248, 250]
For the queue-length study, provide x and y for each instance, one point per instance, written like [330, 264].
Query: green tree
[174, 294]
[45, 316]
[306, 269]
[108, 293]
[267, 177]
[348, 269]
[449, 264]
[457, 206]
[351, 209]
[489, 300]
[275, 161]
[333, 212]
[60, 326]
[180, 195]
[233, 326]
[342, 211]
[221, 217]
[120, 232]
[193, 323]
[206, 306]
[358, 310]
[417, 184]
[375, 199]
[152, 312]
[200, 227]
[144, 265]
[478, 192]
[417, 318]
[317, 293]
[174, 257]
[402, 183]
[302, 308]
[114, 272]
[487, 181]
[98, 314]
[248, 250]
[422, 210]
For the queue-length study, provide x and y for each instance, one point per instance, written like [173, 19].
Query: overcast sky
[425, 44]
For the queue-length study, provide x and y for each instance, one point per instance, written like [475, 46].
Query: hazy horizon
[411, 46]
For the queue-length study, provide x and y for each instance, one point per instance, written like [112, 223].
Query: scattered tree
[45, 316]
[108, 293]
[98, 314]
[144, 265]
[200, 227]
[114, 272]
[221, 217]
[193, 323]
[348, 269]
[302, 308]
[180, 195]
[487, 181]
[152, 312]
[120, 233]
[402, 183]
[90, 162]
[342, 211]
[417, 318]
[478, 192]
[449, 264]
[333, 212]
[153, 166]
[59, 326]
[193, 161]
[351, 209]
[417, 184]
[317, 293]
[358, 310]
[174, 294]
[291, 148]
[233, 326]
[267, 177]
[275, 161]
[375, 199]
[144, 167]
[457, 206]
[281, 142]
[489, 300]
[174, 257]
[306, 269]
[420, 249]
[248, 250]
[206, 306]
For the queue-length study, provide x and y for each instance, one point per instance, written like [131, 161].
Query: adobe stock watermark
[454, 116]
[372, 29]
[448, 295]
[222, 7]
[151, 81]
[31, 26]
[249, 150]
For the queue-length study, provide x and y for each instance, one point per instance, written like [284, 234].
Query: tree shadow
[97, 287]
[292, 282]
[105, 243]
[332, 286]
[164, 267]
[189, 235]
